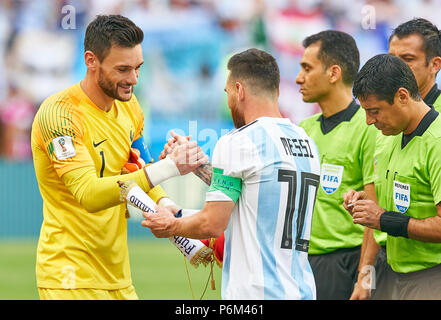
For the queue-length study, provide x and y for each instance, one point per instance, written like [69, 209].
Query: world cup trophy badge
[62, 142]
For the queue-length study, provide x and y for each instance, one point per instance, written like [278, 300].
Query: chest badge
[331, 176]
[401, 196]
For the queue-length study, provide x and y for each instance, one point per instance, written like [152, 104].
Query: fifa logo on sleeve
[62, 142]
[63, 147]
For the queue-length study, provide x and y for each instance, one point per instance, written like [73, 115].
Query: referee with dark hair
[346, 144]
[410, 177]
[417, 42]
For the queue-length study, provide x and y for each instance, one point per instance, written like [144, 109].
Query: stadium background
[186, 46]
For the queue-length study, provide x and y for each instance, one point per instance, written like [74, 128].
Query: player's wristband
[166, 202]
[394, 224]
[162, 170]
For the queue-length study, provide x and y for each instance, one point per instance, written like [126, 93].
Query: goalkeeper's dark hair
[257, 68]
[107, 30]
[337, 48]
[427, 30]
[382, 76]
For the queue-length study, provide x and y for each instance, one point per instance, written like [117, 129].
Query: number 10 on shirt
[308, 182]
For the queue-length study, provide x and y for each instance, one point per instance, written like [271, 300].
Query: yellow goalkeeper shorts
[88, 294]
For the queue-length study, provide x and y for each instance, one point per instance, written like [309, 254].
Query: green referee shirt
[411, 183]
[381, 155]
[346, 147]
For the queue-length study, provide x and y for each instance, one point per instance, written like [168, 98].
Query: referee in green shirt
[346, 145]
[416, 42]
[410, 177]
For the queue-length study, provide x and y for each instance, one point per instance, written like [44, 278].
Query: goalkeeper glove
[135, 162]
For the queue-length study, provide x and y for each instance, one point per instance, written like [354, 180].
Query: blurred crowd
[186, 46]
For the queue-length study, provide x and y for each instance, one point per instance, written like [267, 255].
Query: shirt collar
[421, 128]
[328, 124]
[432, 95]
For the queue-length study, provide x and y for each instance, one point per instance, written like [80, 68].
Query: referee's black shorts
[335, 273]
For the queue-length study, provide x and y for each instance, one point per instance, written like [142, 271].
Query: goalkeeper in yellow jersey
[82, 138]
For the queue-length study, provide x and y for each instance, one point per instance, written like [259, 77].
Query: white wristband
[162, 170]
[188, 212]
[166, 202]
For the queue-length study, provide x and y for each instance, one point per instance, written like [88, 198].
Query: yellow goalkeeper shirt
[78, 151]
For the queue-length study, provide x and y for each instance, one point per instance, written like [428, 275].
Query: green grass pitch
[158, 272]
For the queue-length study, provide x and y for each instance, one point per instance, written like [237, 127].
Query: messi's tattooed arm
[204, 172]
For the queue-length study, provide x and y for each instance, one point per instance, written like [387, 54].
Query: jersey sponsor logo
[330, 177]
[401, 196]
[97, 144]
[63, 147]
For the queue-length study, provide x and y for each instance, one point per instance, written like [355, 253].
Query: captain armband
[394, 224]
[230, 186]
[143, 149]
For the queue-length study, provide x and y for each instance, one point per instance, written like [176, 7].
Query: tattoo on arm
[204, 172]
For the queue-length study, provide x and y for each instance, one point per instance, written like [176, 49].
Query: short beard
[109, 88]
[238, 118]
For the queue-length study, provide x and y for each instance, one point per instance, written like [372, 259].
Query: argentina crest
[331, 176]
[401, 196]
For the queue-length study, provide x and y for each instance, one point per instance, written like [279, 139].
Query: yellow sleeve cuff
[157, 193]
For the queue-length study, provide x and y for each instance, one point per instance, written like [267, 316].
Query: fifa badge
[331, 176]
[63, 147]
[401, 196]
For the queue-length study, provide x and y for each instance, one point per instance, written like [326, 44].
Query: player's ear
[90, 59]
[402, 96]
[334, 73]
[435, 64]
[240, 90]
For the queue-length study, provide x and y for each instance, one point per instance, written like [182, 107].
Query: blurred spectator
[6, 29]
[186, 44]
[182, 49]
[16, 115]
[40, 62]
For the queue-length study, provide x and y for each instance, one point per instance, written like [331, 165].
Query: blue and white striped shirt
[266, 241]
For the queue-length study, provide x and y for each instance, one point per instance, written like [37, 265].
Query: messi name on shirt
[297, 147]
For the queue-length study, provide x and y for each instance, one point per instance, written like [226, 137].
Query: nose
[370, 120]
[299, 78]
[133, 78]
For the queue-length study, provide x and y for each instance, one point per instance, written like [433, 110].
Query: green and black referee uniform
[384, 276]
[412, 185]
[346, 146]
